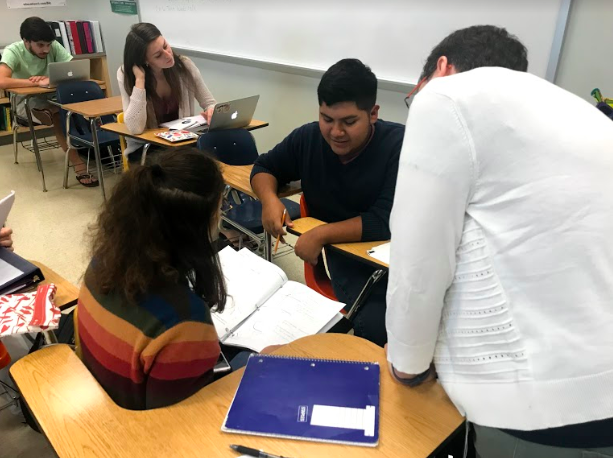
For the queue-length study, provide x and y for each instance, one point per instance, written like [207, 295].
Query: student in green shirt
[24, 64]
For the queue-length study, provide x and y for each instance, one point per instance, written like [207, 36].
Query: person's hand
[270, 349]
[6, 238]
[36, 79]
[272, 212]
[42, 81]
[309, 246]
[404, 375]
[208, 114]
[139, 73]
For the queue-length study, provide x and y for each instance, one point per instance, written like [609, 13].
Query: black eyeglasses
[407, 99]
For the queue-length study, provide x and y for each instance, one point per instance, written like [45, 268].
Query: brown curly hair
[156, 228]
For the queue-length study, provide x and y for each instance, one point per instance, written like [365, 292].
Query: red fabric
[316, 277]
[5, 358]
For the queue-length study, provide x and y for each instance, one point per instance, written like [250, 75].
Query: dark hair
[35, 29]
[135, 53]
[155, 228]
[479, 46]
[349, 80]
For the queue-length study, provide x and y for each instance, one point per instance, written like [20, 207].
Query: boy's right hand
[272, 212]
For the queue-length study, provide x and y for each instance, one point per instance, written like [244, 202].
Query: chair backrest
[5, 358]
[232, 146]
[122, 145]
[316, 276]
[74, 92]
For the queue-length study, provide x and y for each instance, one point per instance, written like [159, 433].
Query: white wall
[586, 61]
[286, 100]
[115, 27]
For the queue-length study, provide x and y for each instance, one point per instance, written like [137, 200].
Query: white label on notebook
[345, 417]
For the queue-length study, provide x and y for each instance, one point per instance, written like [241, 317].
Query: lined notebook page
[250, 281]
[294, 311]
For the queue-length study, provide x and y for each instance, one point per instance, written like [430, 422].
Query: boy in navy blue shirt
[348, 164]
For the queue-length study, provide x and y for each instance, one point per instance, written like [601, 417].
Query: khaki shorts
[40, 102]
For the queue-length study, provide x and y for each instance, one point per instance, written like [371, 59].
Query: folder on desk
[308, 399]
[17, 274]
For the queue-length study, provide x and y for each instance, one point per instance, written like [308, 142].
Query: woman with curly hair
[144, 312]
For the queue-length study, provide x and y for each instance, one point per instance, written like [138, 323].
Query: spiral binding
[318, 360]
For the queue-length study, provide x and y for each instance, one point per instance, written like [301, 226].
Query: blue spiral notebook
[310, 399]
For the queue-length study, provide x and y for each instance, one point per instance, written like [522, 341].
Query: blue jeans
[348, 278]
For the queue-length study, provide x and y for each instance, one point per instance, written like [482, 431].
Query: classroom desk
[149, 135]
[239, 178]
[356, 250]
[93, 110]
[27, 93]
[80, 420]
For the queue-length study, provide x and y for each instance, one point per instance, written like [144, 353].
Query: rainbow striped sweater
[149, 355]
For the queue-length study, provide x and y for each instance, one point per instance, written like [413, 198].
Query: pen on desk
[279, 236]
[253, 452]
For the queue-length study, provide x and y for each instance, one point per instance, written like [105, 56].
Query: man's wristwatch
[417, 380]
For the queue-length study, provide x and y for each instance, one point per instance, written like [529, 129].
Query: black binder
[29, 274]
[55, 26]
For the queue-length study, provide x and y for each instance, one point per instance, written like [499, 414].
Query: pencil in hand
[279, 236]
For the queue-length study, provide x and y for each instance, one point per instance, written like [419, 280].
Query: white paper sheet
[5, 207]
[8, 272]
[189, 123]
[381, 253]
[293, 312]
[250, 281]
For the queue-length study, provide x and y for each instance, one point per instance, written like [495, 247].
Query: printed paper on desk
[5, 207]
[176, 135]
[381, 253]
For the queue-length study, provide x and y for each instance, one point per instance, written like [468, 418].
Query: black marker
[253, 452]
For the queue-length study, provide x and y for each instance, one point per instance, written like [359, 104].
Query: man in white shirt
[501, 270]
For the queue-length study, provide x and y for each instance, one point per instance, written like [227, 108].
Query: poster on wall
[34, 3]
[124, 6]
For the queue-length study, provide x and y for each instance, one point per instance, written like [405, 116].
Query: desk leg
[370, 283]
[49, 337]
[267, 246]
[93, 124]
[39, 162]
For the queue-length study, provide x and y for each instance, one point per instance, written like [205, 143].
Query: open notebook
[265, 308]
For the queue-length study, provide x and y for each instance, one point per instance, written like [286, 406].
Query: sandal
[82, 180]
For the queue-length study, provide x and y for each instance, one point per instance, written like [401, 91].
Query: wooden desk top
[149, 135]
[238, 177]
[80, 420]
[96, 108]
[36, 90]
[66, 294]
[356, 249]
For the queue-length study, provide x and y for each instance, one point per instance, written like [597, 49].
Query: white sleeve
[134, 106]
[435, 179]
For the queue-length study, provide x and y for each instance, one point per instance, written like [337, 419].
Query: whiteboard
[393, 37]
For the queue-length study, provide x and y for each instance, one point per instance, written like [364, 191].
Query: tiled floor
[52, 228]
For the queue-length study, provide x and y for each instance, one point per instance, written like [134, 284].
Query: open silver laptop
[234, 114]
[74, 70]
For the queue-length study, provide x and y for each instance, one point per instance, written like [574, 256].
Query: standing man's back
[507, 282]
